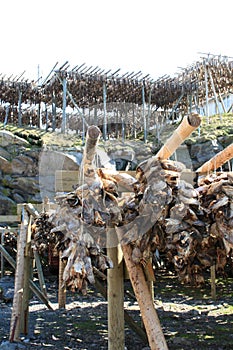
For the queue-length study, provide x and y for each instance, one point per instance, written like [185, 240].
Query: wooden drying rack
[115, 295]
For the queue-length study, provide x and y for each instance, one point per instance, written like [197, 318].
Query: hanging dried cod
[163, 213]
[78, 226]
[216, 192]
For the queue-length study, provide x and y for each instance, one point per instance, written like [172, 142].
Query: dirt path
[189, 318]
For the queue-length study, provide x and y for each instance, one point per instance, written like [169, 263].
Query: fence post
[115, 281]
[19, 275]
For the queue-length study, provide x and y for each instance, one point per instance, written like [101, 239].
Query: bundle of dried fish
[78, 226]
[9, 240]
[149, 205]
[197, 231]
[167, 215]
[179, 232]
[216, 192]
[42, 236]
[78, 229]
[190, 225]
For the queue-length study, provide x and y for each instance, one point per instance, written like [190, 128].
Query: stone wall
[27, 174]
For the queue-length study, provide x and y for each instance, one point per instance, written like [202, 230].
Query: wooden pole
[134, 133]
[88, 173]
[187, 126]
[128, 319]
[63, 126]
[149, 111]
[27, 275]
[54, 110]
[154, 332]
[39, 116]
[222, 103]
[61, 286]
[144, 114]
[150, 318]
[2, 257]
[175, 106]
[214, 91]
[19, 276]
[105, 112]
[229, 109]
[72, 99]
[32, 285]
[217, 161]
[206, 93]
[150, 277]
[40, 273]
[213, 282]
[6, 116]
[20, 109]
[46, 118]
[90, 177]
[115, 280]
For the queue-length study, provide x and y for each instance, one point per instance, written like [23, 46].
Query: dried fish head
[172, 165]
[179, 211]
[215, 187]
[188, 201]
[228, 190]
[221, 202]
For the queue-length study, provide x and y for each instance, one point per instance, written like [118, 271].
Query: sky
[157, 37]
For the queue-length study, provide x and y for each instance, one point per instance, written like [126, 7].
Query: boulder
[4, 153]
[24, 165]
[28, 185]
[18, 167]
[7, 138]
[202, 152]
[5, 165]
[182, 155]
[7, 205]
[6, 181]
[18, 198]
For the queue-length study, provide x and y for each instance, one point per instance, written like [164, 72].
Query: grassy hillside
[211, 128]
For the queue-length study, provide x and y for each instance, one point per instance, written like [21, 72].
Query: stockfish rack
[137, 275]
[93, 89]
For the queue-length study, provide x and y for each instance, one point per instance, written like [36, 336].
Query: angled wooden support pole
[61, 286]
[217, 161]
[32, 285]
[186, 127]
[142, 293]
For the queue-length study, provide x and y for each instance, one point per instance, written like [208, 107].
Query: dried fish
[215, 205]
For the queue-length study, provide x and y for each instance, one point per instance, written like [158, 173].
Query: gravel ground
[189, 318]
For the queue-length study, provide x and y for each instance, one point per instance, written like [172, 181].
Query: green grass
[215, 127]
